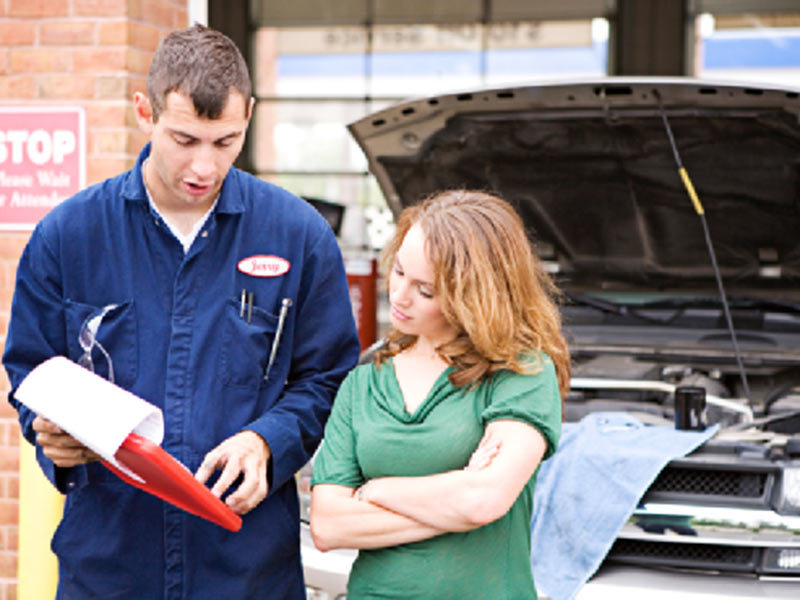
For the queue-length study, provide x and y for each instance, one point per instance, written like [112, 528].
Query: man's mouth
[196, 189]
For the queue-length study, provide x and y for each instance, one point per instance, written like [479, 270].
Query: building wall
[90, 53]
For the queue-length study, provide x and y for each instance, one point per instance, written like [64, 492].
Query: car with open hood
[668, 212]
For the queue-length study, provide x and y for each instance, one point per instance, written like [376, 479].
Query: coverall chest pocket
[246, 345]
[103, 339]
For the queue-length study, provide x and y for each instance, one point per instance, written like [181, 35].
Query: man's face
[190, 156]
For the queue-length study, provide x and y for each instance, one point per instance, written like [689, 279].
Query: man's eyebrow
[230, 136]
[180, 133]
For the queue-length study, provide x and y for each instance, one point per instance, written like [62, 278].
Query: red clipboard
[169, 480]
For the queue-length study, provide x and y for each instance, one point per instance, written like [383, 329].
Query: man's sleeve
[36, 333]
[325, 349]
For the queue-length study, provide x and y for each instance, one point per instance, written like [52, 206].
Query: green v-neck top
[370, 434]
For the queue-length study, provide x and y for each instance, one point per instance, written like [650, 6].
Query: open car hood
[590, 168]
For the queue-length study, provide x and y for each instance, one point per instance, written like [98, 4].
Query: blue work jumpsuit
[177, 338]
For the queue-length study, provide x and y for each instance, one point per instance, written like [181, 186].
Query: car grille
[695, 556]
[718, 486]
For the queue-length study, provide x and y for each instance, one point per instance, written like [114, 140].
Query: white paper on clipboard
[91, 409]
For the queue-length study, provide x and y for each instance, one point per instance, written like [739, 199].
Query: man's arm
[36, 333]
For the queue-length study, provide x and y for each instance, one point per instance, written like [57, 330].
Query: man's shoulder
[270, 201]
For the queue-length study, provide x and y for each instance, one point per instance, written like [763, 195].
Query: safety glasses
[87, 338]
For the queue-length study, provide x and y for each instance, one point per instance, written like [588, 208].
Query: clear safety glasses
[87, 338]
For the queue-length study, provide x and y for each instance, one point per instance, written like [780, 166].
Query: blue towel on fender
[588, 490]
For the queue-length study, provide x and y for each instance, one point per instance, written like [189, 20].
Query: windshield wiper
[617, 308]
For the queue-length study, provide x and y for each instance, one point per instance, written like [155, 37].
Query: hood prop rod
[698, 207]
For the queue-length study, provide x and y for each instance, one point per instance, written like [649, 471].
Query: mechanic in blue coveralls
[218, 297]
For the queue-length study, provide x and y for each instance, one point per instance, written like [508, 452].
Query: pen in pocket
[285, 304]
[247, 300]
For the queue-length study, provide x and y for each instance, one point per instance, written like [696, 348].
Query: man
[213, 295]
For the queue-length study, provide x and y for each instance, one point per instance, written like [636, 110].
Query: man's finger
[42, 425]
[229, 474]
[252, 490]
[208, 466]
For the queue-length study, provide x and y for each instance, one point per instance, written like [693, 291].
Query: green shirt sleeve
[336, 461]
[533, 399]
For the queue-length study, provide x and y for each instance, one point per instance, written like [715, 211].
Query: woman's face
[414, 307]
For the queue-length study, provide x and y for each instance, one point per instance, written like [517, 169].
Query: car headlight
[789, 502]
[785, 561]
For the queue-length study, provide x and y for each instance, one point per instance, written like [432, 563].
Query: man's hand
[60, 447]
[245, 453]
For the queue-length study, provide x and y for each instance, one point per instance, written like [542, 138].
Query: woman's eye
[425, 293]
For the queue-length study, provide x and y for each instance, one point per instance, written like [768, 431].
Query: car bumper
[326, 579]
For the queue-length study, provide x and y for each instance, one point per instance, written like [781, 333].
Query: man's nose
[203, 166]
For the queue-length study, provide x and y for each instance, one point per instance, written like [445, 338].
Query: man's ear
[144, 112]
[250, 108]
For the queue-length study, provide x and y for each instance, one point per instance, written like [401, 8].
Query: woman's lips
[398, 314]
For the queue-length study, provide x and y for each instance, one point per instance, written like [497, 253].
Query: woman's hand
[484, 454]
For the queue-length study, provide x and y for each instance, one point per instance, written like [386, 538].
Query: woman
[430, 454]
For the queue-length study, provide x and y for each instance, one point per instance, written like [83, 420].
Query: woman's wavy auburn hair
[490, 285]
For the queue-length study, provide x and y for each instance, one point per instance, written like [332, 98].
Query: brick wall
[91, 53]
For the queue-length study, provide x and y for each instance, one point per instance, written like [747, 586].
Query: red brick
[100, 8]
[12, 538]
[9, 458]
[17, 88]
[180, 18]
[9, 512]
[38, 8]
[114, 33]
[8, 564]
[136, 141]
[143, 36]
[100, 169]
[6, 410]
[156, 12]
[12, 487]
[136, 84]
[139, 61]
[17, 33]
[106, 115]
[66, 87]
[12, 244]
[99, 61]
[108, 142]
[134, 10]
[130, 117]
[14, 433]
[111, 88]
[67, 33]
[33, 60]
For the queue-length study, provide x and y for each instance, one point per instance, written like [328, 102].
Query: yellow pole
[40, 508]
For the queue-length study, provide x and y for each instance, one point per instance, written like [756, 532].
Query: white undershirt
[187, 239]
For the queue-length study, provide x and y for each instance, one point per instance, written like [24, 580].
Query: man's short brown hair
[201, 63]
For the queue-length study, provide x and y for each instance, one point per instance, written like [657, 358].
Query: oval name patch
[263, 265]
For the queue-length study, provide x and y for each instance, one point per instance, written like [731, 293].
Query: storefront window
[749, 47]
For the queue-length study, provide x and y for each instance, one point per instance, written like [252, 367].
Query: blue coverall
[177, 338]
